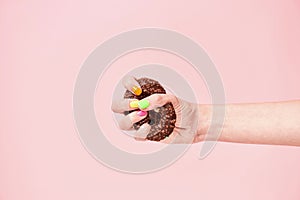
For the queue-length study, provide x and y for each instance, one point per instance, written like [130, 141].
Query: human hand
[187, 114]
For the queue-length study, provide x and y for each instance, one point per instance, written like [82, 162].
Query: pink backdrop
[254, 44]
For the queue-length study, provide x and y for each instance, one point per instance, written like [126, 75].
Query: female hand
[186, 114]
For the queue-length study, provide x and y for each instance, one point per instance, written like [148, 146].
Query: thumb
[157, 100]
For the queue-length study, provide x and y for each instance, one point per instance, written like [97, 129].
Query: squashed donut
[162, 119]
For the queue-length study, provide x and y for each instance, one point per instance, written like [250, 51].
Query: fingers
[122, 105]
[157, 100]
[149, 103]
[132, 85]
[146, 104]
[127, 122]
[142, 132]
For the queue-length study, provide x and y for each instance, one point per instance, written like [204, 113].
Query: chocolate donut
[162, 119]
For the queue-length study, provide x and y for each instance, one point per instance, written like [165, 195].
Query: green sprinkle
[143, 104]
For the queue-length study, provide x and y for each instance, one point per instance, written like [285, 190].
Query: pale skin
[273, 123]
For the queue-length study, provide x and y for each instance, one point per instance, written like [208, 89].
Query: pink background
[254, 44]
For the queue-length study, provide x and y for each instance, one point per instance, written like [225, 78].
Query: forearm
[259, 123]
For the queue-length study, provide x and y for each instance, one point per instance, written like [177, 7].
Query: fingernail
[136, 90]
[141, 113]
[134, 104]
[143, 104]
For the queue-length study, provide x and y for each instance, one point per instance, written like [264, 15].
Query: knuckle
[158, 98]
[174, 100]
[121, 126]
[124, 124]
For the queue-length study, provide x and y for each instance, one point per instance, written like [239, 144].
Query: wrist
[204, 121]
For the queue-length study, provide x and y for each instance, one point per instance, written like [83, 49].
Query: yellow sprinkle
[136, 90]
[134, 104]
